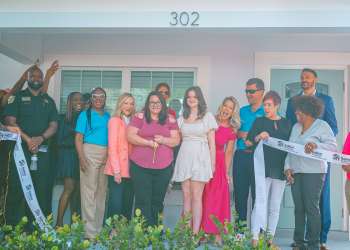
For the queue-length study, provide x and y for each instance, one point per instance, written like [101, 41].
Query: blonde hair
[121, 100]
[235, 121]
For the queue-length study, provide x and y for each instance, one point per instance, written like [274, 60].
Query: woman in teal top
[91, 142]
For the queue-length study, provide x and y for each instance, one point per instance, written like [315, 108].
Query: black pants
[243, 179]
[16, 205]
[306, 192]
[6, 150]
[120, 197]
[150, 186]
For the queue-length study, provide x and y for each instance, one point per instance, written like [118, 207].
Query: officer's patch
[11, 99]
[26, 99]
[46, 101]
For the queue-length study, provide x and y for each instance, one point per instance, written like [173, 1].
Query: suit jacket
[118, 148]
[328, 113]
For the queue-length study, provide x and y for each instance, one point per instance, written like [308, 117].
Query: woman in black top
[278, 127]
[67, 157]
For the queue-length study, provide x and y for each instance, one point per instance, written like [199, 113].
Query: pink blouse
[145, 156]
[346, 150]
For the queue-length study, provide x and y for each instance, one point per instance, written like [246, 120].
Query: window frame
[81, 69]
[126, 74]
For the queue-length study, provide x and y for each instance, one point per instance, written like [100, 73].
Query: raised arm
[18, 85]
[49, 73]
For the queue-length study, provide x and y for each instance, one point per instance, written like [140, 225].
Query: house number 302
[184, 18]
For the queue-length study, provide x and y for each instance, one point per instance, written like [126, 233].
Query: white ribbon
[259, 213]
[26, 180]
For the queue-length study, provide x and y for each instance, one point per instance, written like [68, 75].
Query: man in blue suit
[308, 84]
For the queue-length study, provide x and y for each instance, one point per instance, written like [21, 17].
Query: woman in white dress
[195, 163]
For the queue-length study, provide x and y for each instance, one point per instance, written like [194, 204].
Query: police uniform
[33, 114]
[6, 149]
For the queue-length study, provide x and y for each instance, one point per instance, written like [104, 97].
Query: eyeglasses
[252, 91]
[155, 104]
[98, 96]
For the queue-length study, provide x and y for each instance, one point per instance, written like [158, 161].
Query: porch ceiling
[26, 45]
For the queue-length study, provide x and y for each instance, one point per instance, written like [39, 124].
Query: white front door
[287, 83]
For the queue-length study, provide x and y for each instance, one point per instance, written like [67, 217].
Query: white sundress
[193, 160]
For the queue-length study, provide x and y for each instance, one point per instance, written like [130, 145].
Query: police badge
[11, 99]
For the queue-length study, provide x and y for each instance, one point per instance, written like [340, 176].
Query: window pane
[142, 82]
[70, 80]
[182, 81]
[141, 85]
[84, 81]
[90, 79]
[158, 77]
[112, 84]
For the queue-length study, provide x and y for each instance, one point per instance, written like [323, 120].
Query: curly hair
[309, 105]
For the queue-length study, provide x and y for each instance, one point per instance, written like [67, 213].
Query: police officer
[35, 113]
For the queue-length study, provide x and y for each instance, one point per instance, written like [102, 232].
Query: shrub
[119, 233]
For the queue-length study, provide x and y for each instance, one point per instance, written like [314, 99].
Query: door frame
[265, 61]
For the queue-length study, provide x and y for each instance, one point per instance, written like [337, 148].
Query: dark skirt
[67, 163]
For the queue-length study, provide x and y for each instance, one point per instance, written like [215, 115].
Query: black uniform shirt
[33, 113]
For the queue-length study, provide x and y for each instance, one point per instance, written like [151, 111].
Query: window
[142, 82]
[85, 80]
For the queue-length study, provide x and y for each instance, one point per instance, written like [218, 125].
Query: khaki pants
[347, 193]
[93, 189]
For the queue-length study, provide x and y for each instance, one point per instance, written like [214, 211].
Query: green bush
[118, 233]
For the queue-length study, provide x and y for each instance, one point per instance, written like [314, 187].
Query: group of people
[310, 120]
[127, 160]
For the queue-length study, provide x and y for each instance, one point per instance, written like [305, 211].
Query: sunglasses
[252, 91]
[98, 96]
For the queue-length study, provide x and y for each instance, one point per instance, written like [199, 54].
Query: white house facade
[217, 45]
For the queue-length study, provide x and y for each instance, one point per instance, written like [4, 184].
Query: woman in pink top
[153, 134]
[216, 195]
[346, 150]
[117, 168]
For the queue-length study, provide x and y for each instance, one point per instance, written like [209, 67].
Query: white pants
[274, 194]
